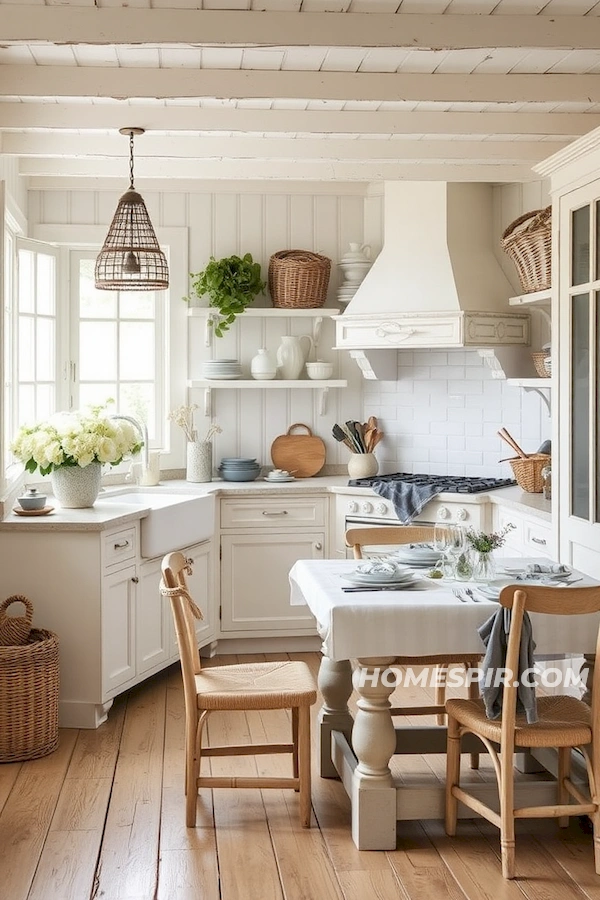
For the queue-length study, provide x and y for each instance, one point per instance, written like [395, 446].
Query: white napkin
[552, 569]
[377, 567]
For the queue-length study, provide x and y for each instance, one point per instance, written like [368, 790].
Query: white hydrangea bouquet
[75, 439]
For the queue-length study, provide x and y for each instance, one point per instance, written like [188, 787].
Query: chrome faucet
[143, 430]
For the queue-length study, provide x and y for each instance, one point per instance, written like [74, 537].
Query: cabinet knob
[318, 545]
[352, 506]
[443, 512]
[135, 579]
[461, 514]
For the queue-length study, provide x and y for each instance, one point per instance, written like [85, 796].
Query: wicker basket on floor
[298, 279]
[29, 677]
[528, 242]
[528, 472]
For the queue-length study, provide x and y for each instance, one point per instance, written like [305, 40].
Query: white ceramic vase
[291, 355]
[75, 487]
[362, 465]
[262, 366]
[199, 461]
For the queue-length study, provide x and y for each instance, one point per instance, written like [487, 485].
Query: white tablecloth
[428, 619]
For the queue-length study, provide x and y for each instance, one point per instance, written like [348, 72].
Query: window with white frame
[118, 348]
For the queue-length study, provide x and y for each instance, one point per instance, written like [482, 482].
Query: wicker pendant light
[131, 259]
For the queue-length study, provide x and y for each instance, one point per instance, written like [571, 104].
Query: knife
[371, 587]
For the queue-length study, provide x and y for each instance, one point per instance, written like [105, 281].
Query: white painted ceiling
[346, 90]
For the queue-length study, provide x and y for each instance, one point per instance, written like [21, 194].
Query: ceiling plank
[82, 117]
[191, 147]
[125, 83]
[252, 169]
[83, 25]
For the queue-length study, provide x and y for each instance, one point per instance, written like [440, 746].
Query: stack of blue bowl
[234, 468]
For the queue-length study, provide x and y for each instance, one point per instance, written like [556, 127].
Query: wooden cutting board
[302, 455]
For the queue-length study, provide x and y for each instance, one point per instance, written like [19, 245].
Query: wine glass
[442, 543]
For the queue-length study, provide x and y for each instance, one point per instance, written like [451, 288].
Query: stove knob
[443, 512]
[381, 509]
[352, 506]
[366, 508]
[461, 514]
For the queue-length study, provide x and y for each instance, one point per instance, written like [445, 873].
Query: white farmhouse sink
[174, 521]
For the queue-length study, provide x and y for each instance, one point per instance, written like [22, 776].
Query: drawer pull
[318, 545]
[135, 579]
[539, 540]
[121, 546]
[281, 512]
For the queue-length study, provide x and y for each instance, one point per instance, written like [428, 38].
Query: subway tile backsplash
[442, 414]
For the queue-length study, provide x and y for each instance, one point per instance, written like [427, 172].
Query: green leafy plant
[231, 284]
[485, 543]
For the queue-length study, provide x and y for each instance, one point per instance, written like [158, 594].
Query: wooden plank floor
[103, 817]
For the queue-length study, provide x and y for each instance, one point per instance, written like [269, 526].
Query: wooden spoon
[503, 433]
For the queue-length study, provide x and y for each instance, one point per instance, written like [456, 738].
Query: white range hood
[436, 282]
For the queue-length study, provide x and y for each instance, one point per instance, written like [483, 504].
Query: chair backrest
[174, 566]
[357, 538]
[558, 601]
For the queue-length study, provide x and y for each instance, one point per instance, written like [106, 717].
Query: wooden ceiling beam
[86, 117]
[91, 25]
[126, 83]
[194, 147]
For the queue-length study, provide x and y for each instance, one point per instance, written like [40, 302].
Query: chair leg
[564, 769]
[192, 769]
[440, 692]
[473, 694]
[452, 774]
[507, 819]
[596, 826]
[295, 742]
[304, 764]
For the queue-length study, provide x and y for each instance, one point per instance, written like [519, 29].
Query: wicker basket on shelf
[528, 472]
[528, 242]
[540, 358]
[298, 279]
[29, 679]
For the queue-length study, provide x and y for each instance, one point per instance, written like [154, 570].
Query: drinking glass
[442, 543]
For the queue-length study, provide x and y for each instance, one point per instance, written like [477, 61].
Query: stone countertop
[107, 513]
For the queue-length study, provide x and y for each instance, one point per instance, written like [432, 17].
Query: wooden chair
[253, 686]
[357, 538]
[564, 723]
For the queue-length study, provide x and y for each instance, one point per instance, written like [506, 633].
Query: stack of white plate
[421, 556]
[217, 369]
[382, 575]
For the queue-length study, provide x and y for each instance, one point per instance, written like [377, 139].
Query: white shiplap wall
[222, 221]
[443, 412]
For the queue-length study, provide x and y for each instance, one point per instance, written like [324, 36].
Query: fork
[470, 594]
[458, 595]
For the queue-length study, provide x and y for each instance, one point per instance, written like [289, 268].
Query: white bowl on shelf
[319, 370]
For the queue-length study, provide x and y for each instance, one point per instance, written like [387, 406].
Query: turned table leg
[335, 684]
[373, 742]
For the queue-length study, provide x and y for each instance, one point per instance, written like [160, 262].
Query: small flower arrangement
[485, 543]
[184, 417]
[75, 439]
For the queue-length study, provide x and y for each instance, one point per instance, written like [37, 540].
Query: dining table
[364, 631]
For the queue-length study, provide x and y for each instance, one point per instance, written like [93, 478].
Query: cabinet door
[153, 613]
[118, 628]
[201, 584]
[578, 336]
[255, 589]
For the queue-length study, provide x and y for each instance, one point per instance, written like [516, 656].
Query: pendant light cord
[131, 160]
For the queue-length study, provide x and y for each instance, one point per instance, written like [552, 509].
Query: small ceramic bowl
[319, 370]
[32, 500]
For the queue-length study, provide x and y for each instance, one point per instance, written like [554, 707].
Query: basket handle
[538, 217]
[17, 598]
[503, 433]
[299, 425]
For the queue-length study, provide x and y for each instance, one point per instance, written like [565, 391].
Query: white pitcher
[291, 355]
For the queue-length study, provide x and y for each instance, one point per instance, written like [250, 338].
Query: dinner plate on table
[380, 578]
[381, 585]
[538, 577]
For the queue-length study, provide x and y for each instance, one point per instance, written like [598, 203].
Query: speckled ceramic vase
[75, 487]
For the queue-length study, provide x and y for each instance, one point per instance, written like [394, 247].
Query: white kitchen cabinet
[531, 536]
[118, 652]
[201, 584]
[261, 539]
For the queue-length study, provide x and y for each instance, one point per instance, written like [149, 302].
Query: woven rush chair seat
[247, 686]
[564, 723]
[269, 685]
[394, 535]
[561, 720]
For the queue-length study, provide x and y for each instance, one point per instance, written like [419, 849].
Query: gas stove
[449, 484]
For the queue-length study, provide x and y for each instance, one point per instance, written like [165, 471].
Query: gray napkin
[494, 634]
[407, 499]
[552, 569]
